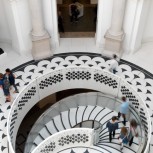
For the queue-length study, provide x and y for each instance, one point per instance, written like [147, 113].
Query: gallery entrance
[84, 25]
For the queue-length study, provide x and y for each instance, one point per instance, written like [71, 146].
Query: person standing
[113, 64]
[5, 85]
[123, 137]
[133, 131]
[112, 127]
[124, 108]
[60, 22]
[11, 78]
[74, 12]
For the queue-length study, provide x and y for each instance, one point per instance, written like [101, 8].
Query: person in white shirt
[113, 64]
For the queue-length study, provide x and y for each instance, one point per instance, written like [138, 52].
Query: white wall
[148, 31]
[5, 35]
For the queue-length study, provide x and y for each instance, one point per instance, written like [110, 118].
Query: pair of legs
[7, 95]
[74, 17]
[112, 70]
[122, 145]
[61, 27]
[131, 141]
[110, 135]
[15, 87]
[124, 118]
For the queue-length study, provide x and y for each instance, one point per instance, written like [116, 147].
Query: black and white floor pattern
[140, 79]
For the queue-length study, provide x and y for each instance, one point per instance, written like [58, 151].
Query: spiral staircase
[80, 117]
[83, 111]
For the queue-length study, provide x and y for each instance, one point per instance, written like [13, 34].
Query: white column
[50, 20]
[117, 17]
[37, 18]
[40, 37]
[11, 7]
[115, 35]
[104, 15]
[140, 19]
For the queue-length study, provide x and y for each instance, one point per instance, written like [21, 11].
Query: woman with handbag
[133, 131]
[123, 137]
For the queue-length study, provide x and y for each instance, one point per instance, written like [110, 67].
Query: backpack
[6, 83]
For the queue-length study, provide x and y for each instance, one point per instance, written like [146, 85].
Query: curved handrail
[65, 139]
[66, 102]
[89, 79]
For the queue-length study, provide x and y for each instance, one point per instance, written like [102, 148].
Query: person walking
[123, 137]
[124, 108]
[11, 78]
[112, 127]
[133, 131]
[113, 64]
[5, 85]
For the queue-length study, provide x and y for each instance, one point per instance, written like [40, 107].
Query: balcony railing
[72, 78]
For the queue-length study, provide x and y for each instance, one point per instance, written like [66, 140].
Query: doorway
[86, 24]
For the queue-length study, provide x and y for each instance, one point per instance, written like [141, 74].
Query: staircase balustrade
[66, 139]
[73, 78]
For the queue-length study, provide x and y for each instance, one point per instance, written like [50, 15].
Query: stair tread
[87, 112]
[58, 123]
[51, 127]
[72, 116]
[95, 112]
[65, 118]
[80, 113]
[44, 133]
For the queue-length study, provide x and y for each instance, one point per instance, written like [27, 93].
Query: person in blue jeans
[123, 137]
[11, 78]
[5, 85]
[112, 126]
[124, 108]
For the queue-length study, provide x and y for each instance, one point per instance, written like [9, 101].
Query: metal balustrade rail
[66, 139]
[72, 78]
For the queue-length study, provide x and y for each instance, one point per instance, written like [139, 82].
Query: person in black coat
[112, 126]
[5, 85]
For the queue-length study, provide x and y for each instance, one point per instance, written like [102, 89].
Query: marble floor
[143, 57]
[79, 45]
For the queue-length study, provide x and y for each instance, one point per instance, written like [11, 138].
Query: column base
[113, 43]
[41, 47]
[3, 55]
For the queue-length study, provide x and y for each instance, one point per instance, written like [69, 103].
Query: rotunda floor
[140, 80]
